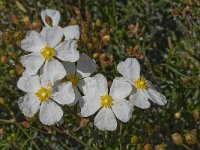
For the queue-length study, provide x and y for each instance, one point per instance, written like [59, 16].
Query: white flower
[111, 105]
[76, 73]
[53, 15]
[143, 90]
[46, 47]
[45, 96]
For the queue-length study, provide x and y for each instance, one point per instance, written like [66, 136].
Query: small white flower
[45, 96]
[77, 73]
[54, 15]
[46, 47]
[111, 105]
[143, 90]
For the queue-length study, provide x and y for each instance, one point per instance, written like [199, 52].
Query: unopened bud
[98, 23]
[177, 139]
[177, 115]
[4, 59]
[2, 101]
[106, 39]
[102, 56]
[161, 146]
[84, 122]
[19, 69]
[196, 114]
[73, 21]
[25, 124]
[134, 139]
[147, 147]
[191, 137]
[90, 46]
[15, 19]
[95, 55]
[12, 72]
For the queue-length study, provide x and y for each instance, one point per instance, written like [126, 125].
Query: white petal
[130, 69]
[105, 120]
[29, 104]
[33, 42]
[122, 109]
[53, 71]
[90, 105]
[65, 94]
[52, 35]
[50, 113]
[67, 51]
[53, 14]
[156, 97]
[139, 99]
[120, 88]
[32, 62]
[70, 68]
[77, 96]
[85, 66]
[29, 84]
[96, 85]
[72, 32]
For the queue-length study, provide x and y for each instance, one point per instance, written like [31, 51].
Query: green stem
[186, 147]
[4, 121]
[120, 137]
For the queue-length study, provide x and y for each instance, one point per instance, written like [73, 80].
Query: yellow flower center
[44, 94]
[106, 101]
[141, 83]
[48, 52]
[73, 79]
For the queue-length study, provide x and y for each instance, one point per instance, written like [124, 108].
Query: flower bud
[4, 59]
[196, 115]
[15, 19]
[19, 69]
[177, 115]
[49, 21]
[73, 21]
[134, 139]
[25, 124]
[84, 38]
[161, 146]
[103, 32]
[177, 139]
[102, 56]
[106, 39]
[98, 23]
[7, 38]
[191, 137]
[147, 147]
[11, 71]
[2, 101]
[90, 46]
[84, 122]
[95, 55]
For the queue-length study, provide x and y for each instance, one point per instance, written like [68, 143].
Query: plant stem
[4, 121]
[186, 147]
[120, 136]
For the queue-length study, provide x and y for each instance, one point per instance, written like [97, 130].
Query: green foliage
[164, 36]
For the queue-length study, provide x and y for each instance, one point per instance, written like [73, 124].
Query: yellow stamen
[44, 94]
[141, 83]
[73, 79]
[106, 101]
[48, 52]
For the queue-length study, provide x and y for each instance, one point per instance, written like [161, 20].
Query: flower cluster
[57, 74]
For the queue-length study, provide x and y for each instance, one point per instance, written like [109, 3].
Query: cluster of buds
[133, 30]
[136, 52]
